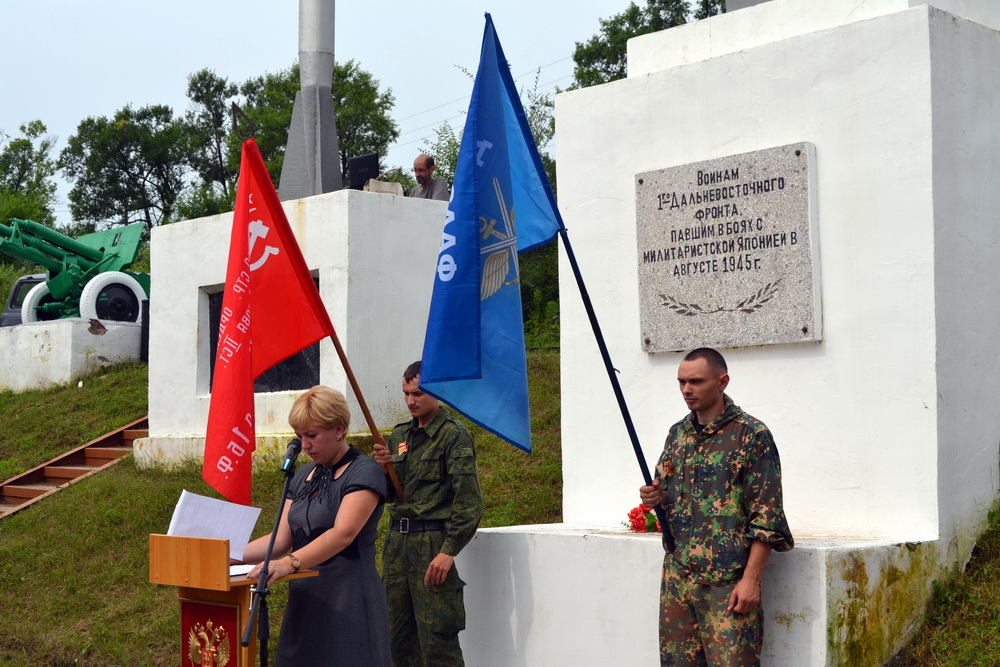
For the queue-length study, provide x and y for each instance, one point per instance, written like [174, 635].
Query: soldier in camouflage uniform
[719, 479]
[435, 460]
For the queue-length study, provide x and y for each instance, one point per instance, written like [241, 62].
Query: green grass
[38, 425]
[74, 568]
[963, 619]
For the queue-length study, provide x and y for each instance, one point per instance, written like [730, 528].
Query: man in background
[429, 186]
[435, 459]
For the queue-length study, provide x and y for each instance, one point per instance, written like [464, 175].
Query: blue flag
[501, 204]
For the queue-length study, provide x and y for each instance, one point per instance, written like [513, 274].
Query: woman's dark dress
[339, 617]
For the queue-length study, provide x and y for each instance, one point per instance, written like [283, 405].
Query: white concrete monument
[368, 252]
[886, 426]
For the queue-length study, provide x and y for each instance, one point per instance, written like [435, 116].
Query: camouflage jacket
[723, 491]
[436, 466]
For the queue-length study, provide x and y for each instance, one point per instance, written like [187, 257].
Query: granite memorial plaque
[727, 251]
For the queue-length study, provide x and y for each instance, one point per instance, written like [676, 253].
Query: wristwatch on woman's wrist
[296, 563]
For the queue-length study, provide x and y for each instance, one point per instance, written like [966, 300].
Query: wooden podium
[214, 606]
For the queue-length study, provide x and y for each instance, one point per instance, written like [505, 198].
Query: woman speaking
[329, 525]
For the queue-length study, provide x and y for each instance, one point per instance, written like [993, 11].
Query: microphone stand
[262, 590]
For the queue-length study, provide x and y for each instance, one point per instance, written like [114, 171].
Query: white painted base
[42, 354]
[565, 595]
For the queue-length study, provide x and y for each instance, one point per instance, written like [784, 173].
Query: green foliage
[148, 165]
[403, 175]
[268, 103]
[520, 488]
[126, 169]
[538, 109]
[10, 271]
[602, 58]
[963, 619]
[203, 200]
[27, 189]
[706, 8]
[540, 295]
[360, 110]
[207, 126]
[444, 150]
[362, 113]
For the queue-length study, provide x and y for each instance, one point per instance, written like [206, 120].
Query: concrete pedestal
[374, 256]
[42, 354]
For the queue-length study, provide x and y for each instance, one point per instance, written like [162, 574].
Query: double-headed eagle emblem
[500, 253]
[208, 646]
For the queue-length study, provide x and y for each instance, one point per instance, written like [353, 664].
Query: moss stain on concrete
[876, 602]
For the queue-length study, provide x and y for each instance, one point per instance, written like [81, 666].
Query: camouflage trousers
[696, 629]
[424, 621]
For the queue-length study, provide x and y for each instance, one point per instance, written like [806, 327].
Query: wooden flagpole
[389, 469]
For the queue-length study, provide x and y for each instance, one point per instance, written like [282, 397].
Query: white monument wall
[843, 461]
[966, 248]
[886, 430]
[371, 254]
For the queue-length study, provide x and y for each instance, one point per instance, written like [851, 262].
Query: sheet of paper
[201, 516]
[236, 570]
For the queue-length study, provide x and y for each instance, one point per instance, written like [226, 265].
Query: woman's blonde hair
[320, 407]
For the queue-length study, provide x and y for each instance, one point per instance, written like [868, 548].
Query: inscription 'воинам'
[726, 251]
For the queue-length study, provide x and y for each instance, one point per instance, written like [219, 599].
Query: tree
[360, 110]
[602, 58]
[27, 189]
[268, 102]
[444, 150]
[362, 113]
[538, 109]
[207, 126]
[126, 169]
[708, 8]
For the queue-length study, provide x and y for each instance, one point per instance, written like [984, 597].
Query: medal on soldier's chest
[402, 448]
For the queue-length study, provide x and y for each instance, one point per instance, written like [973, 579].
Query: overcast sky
[64, 60]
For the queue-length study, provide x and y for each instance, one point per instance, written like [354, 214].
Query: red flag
[267, 278]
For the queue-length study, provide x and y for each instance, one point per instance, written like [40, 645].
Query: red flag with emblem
[270, 311]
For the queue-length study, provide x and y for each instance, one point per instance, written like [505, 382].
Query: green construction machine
[85, 277]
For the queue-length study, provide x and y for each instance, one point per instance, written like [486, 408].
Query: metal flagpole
[668, 538]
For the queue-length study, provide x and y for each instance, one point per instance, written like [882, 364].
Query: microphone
[292, 453]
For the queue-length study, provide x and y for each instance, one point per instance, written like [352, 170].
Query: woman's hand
[278, 568]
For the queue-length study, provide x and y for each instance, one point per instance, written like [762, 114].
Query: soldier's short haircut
[715, 360]
[412, 371]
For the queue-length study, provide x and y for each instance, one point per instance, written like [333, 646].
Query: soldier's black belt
[417, 525]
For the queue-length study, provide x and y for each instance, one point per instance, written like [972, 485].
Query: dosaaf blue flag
[501, 204]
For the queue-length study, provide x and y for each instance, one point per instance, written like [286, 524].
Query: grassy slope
[74, 568]
[963, 621]
[37, 425]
